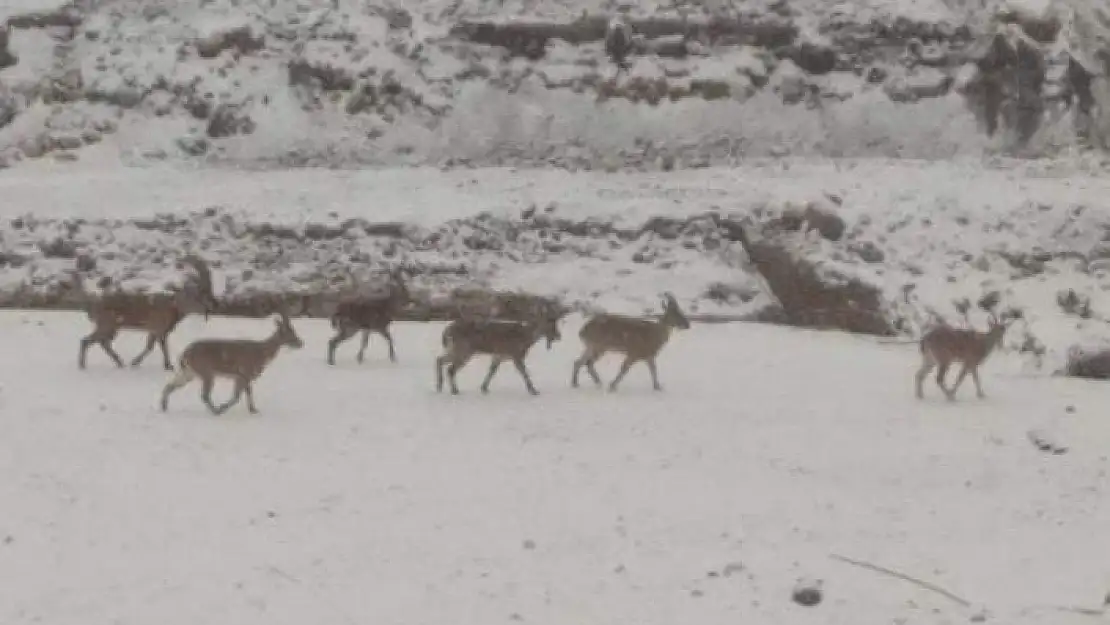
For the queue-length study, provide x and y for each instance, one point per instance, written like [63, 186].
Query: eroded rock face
[530, 39]
[1009, 86]
[9, 107]
[59, 15]
[374, 66]
[7, 59]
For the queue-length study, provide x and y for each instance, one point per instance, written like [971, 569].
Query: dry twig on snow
[902, 576]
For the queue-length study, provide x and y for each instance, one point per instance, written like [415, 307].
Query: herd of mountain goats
[500, 337]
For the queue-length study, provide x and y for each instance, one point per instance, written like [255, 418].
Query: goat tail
[446, 336]
[335, 321]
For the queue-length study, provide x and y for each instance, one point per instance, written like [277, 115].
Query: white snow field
[359, 495]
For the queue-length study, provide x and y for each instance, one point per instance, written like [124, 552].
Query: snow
[421, 195]
[359, 494]
[446, 109]
[951, 230]
[449, 107]
[18, 8]
[35, 49]
[1031, 9]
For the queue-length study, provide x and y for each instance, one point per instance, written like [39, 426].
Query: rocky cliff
[339, 82]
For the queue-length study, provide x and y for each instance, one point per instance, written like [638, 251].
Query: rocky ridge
[292, 83]
[810, 263]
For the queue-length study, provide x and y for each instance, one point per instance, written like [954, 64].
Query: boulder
[228, 120]
[816, 59]
[811, 216]
[69, 86]
[1093, 365]
[240, 38]
[924, 83]
[322, 76]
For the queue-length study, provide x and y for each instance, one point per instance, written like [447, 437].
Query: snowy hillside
[528, 83]
[359, 495]
[924, 236]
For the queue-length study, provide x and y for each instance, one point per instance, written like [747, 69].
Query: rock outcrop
[310, 267]
[1093, 365]
[805, 294]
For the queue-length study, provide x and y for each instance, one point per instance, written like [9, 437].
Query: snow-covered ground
[360, 495]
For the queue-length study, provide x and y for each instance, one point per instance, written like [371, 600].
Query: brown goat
[502, 339]
[157, 315]
[943, 345]
[241, 360]
[638, 339]
[369, 315]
